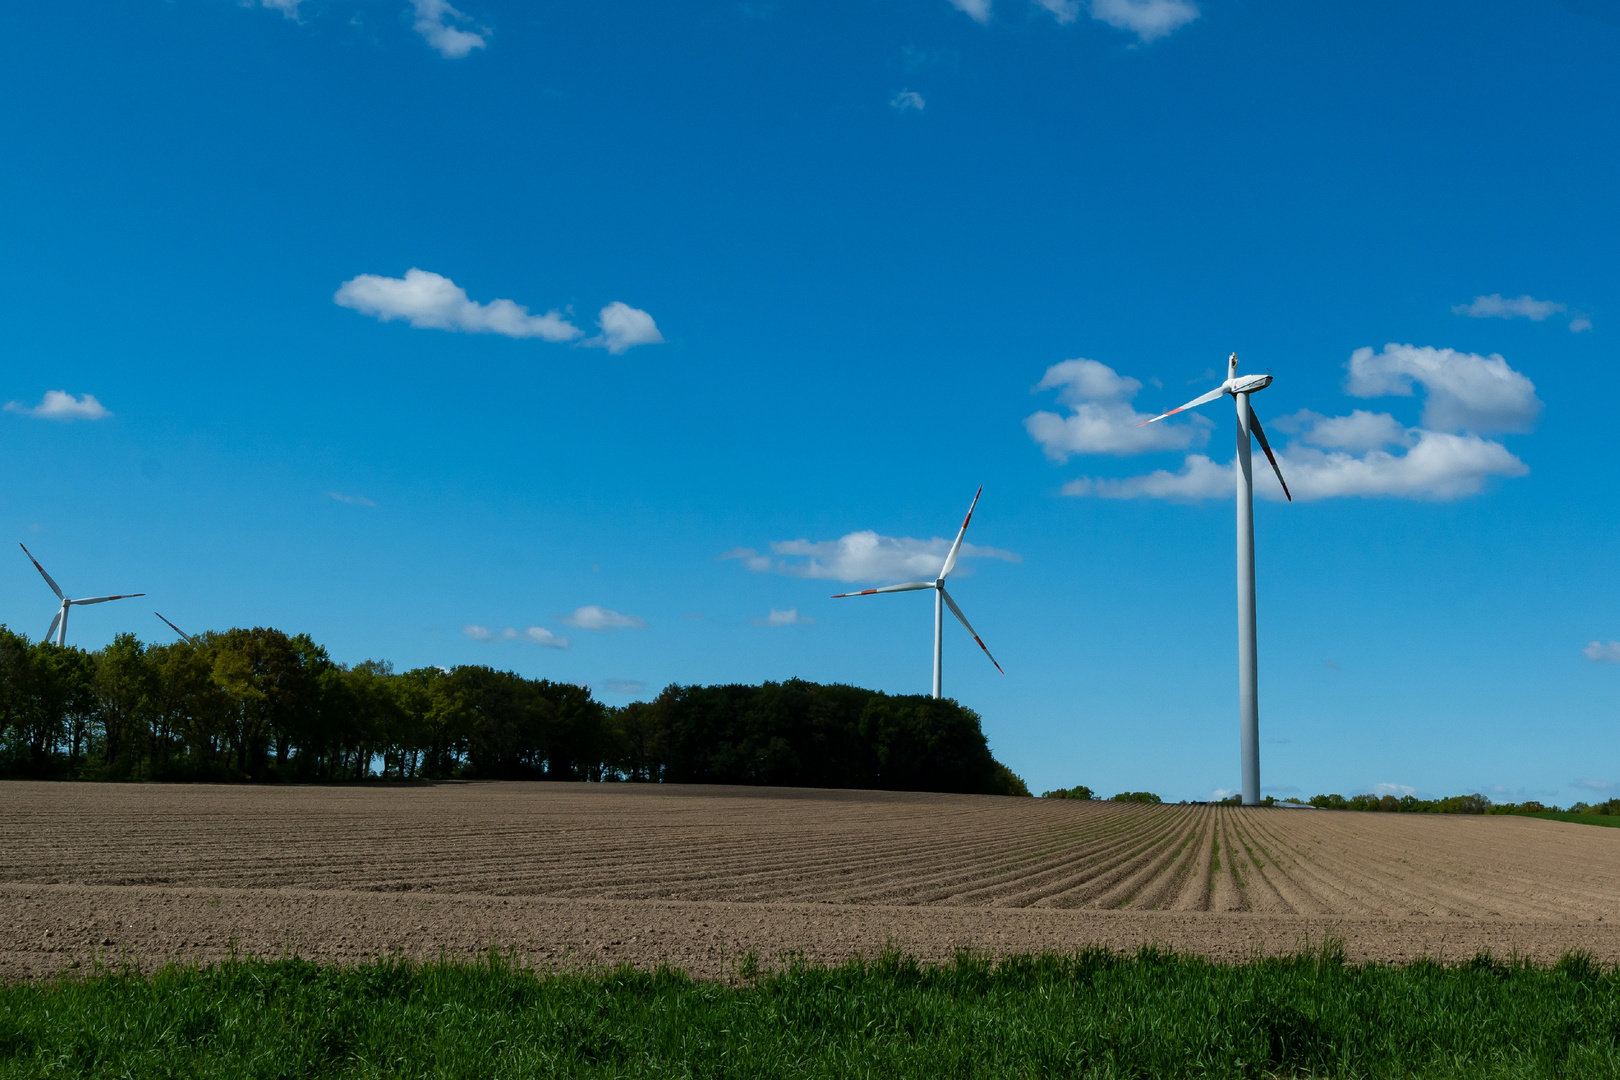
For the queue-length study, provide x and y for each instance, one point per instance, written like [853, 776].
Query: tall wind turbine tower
[942, 599]
[1248, 655]
[59, 624]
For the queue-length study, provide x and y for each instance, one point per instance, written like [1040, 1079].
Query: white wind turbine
[59, 624]
[942, 599]
[1248, 659]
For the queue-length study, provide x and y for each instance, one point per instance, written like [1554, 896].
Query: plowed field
[569, 873]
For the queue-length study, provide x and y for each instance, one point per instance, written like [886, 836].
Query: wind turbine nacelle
[1248, 384]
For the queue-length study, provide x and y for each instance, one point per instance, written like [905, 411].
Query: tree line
[262, 705]
[1389, 804]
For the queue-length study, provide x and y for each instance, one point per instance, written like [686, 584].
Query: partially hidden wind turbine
[942, 599]
[1248, 660]
[59, 624]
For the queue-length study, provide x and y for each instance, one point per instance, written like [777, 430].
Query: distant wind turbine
[59, 624]
[942, 599]
[1248, 658]
[173, 627]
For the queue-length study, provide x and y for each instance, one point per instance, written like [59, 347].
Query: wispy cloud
[433, 302]
[861, 556]
[534, 635]
[1601, 653]
[592, 617]
[908, 99]
[1497, 306]
[60, 405]
[623, 686]
[356, 500]
[790, 617]
[1364, 454]
[1101, 419]
[1064, 11]
[1396, 790]
[1147, 19]
[977, 10]
[289, 8]
[624, 327]
[436, 21]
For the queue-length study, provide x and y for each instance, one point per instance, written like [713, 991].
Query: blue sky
[456, 334]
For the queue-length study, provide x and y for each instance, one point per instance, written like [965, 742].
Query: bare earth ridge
[570, 874]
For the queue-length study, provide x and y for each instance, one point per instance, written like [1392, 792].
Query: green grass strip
[1092, 1014]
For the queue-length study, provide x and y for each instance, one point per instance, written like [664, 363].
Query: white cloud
[1147, 19]
[535, 635]
[1198, 478]
[790, 617]
[1465, 391]
[60, 405]
[1360, 431]
[1064, 11]
[432, 301]
[1603, 654]
[356, 500]
[908, 99]
[862, 556]
[289, 8]
[624, 327]
[977, 10]
[1439, 467]
[1101, 419]
[435, 21]
[1396, 790]
[1587, 783]
[623, 686]
[1497, 306]
[1579, 323]
[592, 617]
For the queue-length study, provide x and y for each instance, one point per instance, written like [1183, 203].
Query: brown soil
[699, 876]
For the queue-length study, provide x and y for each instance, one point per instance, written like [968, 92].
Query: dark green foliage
[1091, 1014]
[260, 705]
[800, 733]
[1079, 791]
[1579, 817]
[1136, 796]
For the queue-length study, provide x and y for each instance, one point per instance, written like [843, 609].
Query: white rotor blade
[54, 620]
[910, 586]
[958, 613]
[42, 572]
[950, 560]
[1260, 433]
[1193, 404]
[104, 599]
[173, 627]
